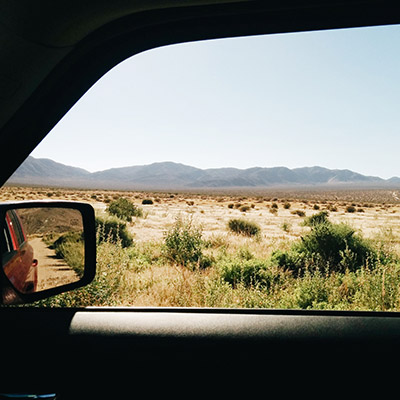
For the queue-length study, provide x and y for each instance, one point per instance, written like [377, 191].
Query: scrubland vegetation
[70, 247]
[208, 251]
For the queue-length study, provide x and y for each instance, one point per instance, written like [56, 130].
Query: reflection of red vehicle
[17, 255]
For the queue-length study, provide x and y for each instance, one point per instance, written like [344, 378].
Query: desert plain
[279, 213]
[141, 275]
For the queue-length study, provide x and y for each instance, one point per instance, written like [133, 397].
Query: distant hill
[46, 168]
[169, 175]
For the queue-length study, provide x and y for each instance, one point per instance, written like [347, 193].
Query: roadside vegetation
[330, 266]
[124, 209]
[71, 247]
[336, 250]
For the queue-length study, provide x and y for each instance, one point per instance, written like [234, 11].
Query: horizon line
[209, 168]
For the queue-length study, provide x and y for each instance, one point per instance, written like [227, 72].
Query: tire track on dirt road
[52, 271]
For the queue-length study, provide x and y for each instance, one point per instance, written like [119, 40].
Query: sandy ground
[52, 271]
[377, 211]
[214, 217]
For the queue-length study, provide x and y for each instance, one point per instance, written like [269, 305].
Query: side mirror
[46, 248]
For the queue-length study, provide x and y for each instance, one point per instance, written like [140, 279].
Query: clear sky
[327, 98]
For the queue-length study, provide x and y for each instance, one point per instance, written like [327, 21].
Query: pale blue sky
[324, 98]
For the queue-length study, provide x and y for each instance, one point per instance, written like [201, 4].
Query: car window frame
[17, 229]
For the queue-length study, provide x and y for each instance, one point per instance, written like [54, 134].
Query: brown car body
[19, 264]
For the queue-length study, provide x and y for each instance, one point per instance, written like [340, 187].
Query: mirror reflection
[42, 248]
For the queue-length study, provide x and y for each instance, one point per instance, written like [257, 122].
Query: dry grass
[377, 211]
[139, 276]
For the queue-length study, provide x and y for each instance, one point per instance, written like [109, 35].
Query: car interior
[52, 53]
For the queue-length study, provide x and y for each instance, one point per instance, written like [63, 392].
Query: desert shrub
[274, 205]
[106, 286]
[244, 227]
[183, 245]
[300, 213]
[124, 209]
[147, 201]
[244, 208]
[113, 230]
[350, 209]
[334, 246]
[286, 226]
[249, 273]
[286, 205]
[70, 247]
[316, 219]
[312, 291]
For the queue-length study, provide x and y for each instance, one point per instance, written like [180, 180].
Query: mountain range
[170, 175]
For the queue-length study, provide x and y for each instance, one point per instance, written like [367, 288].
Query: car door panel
[98, 348]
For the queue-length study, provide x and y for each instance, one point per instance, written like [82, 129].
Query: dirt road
[52, 271]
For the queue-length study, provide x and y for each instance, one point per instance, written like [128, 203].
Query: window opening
[248, 172]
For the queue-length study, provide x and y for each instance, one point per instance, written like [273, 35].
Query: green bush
[124, 209]
[338, 245]
[334, 246]
[312, 291]
[71, 248]
[249, 273]
[300, 213]
[113, 230]
[183, 245]
[147, 201]
[244, 227]
[286, 226]
[316, 219]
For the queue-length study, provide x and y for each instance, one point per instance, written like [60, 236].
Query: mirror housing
[33, 242]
